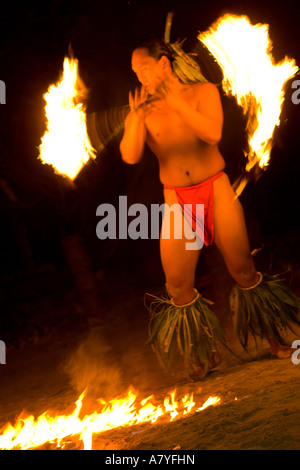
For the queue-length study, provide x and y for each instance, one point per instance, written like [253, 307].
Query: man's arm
[134, 138]
[133, 142]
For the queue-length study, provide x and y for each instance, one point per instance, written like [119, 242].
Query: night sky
[35, 37]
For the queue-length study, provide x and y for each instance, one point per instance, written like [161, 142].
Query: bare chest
[163, 122]
[166, 128]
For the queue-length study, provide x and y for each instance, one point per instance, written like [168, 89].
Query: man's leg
[231, 235]
[231, 238]
[179, 264]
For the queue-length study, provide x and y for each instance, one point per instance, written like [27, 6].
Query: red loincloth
[202, 193]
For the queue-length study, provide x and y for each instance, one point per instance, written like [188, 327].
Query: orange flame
[243, 52]
[30, 432]
[65, 144]
[211, 401]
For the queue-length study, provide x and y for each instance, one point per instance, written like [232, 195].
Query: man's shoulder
[205, 87]
[206, 92]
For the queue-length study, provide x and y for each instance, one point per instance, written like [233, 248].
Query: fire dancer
[178, 114]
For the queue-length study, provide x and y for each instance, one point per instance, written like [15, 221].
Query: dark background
[37, 210]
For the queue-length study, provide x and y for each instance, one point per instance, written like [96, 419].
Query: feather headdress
[184, 65]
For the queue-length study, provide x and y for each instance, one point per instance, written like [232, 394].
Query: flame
[250, 74]
[211, 401]
[30, 432]
[65, 144]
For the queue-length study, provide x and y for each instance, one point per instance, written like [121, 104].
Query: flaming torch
[66, 144]
[243, 51]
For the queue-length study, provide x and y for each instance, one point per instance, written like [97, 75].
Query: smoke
[93, 366]
[111, 359]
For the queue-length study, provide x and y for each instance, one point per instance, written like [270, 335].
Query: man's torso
[184, 159]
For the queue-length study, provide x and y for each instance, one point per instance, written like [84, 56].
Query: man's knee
[178, 285]
[245, 275]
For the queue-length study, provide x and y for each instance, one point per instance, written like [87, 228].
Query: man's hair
[157, 48]
[184, 66]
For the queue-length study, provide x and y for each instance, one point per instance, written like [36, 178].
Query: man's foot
[282, 351]
[200, 373]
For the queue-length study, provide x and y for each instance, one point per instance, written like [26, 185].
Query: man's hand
[204, 116]
[140, 104]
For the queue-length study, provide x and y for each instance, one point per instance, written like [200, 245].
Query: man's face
[147, 69]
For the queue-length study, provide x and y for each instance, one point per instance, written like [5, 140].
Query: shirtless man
[182, 125]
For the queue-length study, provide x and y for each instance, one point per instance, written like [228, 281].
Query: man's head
[151, 61]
